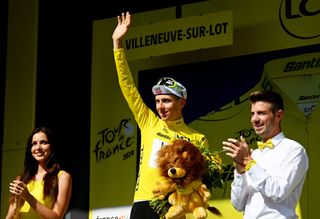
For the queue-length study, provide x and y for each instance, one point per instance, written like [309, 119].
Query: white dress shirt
[272, 187]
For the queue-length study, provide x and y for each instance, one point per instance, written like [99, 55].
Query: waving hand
[124, 21]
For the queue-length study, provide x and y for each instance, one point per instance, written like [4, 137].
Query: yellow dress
[35, 188]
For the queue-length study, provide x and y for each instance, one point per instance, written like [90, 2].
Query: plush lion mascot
[182, 165]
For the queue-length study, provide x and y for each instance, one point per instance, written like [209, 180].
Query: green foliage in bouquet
[217, 174]
[160, 206]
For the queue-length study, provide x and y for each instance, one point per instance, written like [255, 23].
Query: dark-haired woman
[43, 190]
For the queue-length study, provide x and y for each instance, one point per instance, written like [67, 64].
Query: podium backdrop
[268, 46]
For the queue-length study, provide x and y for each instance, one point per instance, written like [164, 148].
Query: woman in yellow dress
[43, 190]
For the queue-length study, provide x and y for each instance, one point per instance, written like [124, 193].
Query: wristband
[249, 165]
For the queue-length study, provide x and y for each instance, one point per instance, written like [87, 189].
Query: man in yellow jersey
[267, 181]
[156, 130]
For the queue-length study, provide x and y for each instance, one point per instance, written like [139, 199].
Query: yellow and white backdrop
[221, 51]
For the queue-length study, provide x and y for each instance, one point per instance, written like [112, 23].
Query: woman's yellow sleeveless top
[35, 188]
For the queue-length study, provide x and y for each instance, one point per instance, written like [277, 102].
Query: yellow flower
[216, 159]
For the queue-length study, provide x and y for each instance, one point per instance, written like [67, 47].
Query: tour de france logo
[300, 18]
[115, 140]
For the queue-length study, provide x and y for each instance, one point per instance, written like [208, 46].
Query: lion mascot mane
[182, 166]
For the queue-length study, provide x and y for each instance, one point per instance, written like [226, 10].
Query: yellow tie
[262, 145]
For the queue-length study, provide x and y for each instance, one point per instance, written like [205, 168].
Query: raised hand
[239, 151]
[124, 21]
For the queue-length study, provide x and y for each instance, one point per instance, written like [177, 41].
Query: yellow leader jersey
[154, 131]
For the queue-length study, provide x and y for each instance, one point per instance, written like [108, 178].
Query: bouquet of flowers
[217, 174]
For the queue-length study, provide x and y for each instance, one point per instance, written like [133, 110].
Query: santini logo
[313, 63]
[300, 18]
[310, 97]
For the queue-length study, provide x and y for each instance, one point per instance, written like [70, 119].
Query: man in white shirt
[268, 181]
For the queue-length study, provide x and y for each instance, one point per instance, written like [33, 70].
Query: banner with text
[180, 35]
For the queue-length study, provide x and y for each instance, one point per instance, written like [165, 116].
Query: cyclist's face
[169, 107]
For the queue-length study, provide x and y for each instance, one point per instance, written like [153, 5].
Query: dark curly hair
[268, 96]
